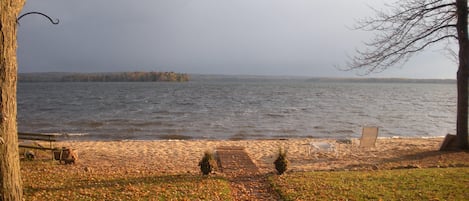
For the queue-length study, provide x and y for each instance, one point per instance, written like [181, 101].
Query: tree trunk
[462, 76]
[10, 183]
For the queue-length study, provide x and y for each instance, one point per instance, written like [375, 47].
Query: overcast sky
[241, 37]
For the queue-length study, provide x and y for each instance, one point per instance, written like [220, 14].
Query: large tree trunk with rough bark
[462, 76]
[10, 183]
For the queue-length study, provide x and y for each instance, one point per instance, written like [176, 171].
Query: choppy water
[235, 109]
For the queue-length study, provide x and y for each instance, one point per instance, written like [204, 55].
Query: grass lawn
[49, 181]
[45, 181]
[404, 184]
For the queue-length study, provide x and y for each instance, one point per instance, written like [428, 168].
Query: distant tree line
[108, 77]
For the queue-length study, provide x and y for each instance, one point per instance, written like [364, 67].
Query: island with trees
[105, 77]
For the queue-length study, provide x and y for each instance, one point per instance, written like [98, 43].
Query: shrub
[208, 163]
[281, 163]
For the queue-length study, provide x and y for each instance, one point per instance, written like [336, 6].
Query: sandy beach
[182, 156]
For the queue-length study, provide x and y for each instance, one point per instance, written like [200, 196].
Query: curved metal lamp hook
[38, 13]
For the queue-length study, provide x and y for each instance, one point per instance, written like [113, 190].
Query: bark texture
[463, 72]
[10, 181]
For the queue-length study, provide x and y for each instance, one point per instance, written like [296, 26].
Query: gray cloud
[264, 37]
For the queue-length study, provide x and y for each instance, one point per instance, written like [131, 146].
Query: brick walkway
[246, 181]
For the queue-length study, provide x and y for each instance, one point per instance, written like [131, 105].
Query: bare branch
[406, 28]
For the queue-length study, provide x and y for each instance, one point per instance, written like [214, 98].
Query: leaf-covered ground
[50, 181]
[46, 180]
[403, 184]
[167, 170]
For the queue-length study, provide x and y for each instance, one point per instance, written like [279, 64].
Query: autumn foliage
[127, 77]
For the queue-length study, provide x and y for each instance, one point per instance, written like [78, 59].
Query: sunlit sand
[182, 156]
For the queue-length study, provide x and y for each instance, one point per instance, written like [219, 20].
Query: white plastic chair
[322, 147]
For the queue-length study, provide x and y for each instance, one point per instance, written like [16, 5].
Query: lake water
[235, 109]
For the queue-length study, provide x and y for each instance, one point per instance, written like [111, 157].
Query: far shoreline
[58, 77]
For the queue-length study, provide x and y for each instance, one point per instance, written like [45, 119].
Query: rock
[30, 155]
[88, 169]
